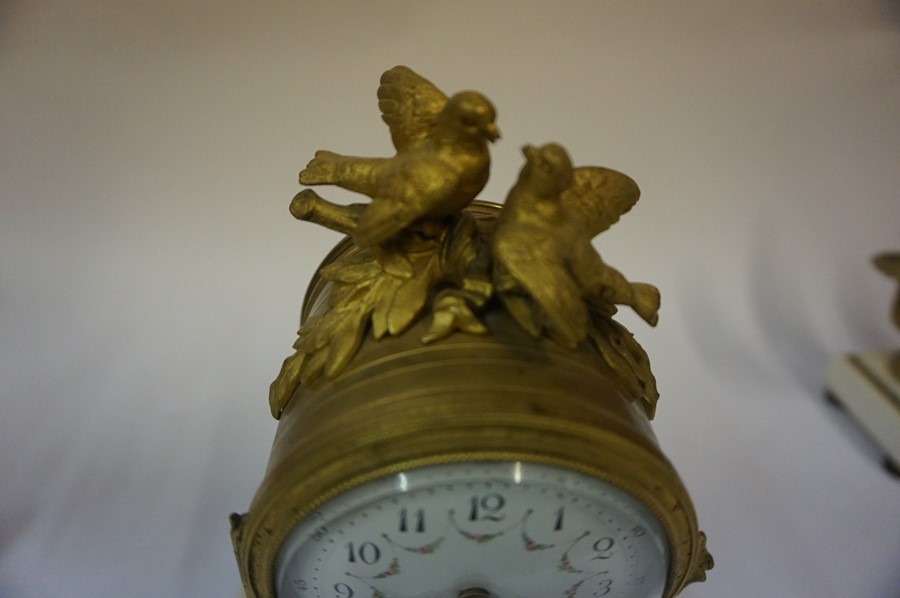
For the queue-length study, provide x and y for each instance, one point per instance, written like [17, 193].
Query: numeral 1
[559, 519]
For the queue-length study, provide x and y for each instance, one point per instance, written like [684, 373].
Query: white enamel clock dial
[517, 530]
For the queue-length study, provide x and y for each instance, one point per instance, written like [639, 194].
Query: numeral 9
[343, 590]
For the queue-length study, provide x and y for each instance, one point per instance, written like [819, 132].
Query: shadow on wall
[762, 316]
[809, 301]
[783, 306]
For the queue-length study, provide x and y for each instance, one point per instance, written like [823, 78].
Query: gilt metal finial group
[420, 252]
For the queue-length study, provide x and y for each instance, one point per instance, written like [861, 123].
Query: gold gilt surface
[446, 329]
[505, 396]
[889, 265]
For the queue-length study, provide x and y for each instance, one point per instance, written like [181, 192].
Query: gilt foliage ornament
[418, 253]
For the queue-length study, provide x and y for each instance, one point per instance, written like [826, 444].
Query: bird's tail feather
[348, 172]
[322, 169]
[646, 302]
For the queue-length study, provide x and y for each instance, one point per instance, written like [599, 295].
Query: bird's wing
[597, 197]
[409, 104]
[533, 263]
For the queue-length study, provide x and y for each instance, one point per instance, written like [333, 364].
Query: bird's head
[472, 115]
[548, 168]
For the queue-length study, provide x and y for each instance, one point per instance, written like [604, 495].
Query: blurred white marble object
[864, 385]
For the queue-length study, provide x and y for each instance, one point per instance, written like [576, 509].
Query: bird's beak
[530, 152]
[492, 132]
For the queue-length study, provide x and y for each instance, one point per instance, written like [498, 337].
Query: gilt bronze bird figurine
[545, 268]
[441, 163]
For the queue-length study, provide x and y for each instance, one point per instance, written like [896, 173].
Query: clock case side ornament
[443, 329]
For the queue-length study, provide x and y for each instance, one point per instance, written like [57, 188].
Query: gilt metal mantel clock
[462, 416]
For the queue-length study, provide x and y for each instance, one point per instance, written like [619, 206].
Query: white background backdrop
[151, 275]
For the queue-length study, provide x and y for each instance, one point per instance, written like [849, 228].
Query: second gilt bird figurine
[442, 161]
[542, 246]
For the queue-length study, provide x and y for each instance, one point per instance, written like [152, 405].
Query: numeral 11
[418, 520]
